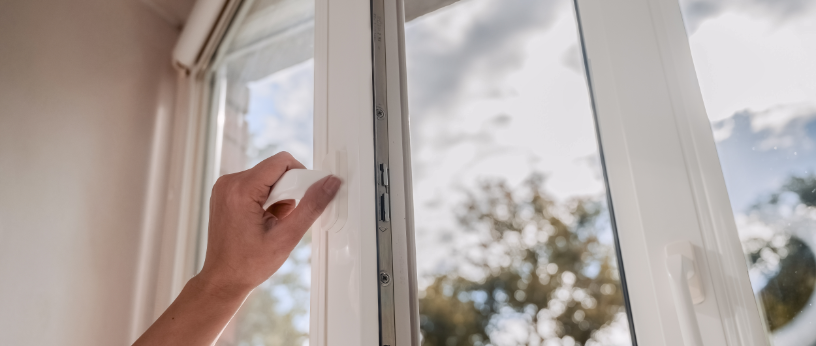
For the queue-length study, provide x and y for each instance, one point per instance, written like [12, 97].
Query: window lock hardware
[385, 207]
[384, 174]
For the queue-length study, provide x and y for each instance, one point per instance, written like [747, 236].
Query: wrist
[218, 289]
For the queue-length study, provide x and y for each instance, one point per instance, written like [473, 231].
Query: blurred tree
[270, 315]
[537, 262]
[804, 187]
[787, 292]
[782, 257]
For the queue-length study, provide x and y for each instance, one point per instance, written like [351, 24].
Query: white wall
[79, 96]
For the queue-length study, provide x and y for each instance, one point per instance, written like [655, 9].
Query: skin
[246, 245]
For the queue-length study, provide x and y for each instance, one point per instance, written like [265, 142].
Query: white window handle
[686, 288]
[293, 185]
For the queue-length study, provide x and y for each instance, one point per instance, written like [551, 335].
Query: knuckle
[314, 209]
[228, 188]
[221, 184]
[282, 157]
[285, 155]
[288, 159]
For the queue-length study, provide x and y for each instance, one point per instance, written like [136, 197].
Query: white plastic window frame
[344, 302]
[663, 174]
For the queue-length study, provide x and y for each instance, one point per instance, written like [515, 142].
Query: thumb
[315, 200]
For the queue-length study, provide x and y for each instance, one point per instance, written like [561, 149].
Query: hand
[247, 244]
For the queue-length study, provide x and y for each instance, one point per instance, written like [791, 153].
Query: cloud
[280, 114]
[782, 119]
[695, 12]
[573, 59]
[763, 149]
[469, 50]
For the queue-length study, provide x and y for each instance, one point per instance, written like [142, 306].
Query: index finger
[267, 172]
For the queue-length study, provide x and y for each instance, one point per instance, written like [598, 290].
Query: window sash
[664, 174]
[345, 286]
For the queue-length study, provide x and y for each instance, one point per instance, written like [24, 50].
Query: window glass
[263, 96]
[756, 64]
[515, 244]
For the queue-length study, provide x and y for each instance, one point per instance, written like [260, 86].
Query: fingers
[267, 172]
[282, 209]
[315, 200]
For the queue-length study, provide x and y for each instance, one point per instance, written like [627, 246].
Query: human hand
[246, 244]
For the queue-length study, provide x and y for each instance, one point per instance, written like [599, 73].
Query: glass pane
[756, 63]
[263, 90]
[514, 240]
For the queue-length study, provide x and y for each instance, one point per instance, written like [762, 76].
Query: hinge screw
[385, 278]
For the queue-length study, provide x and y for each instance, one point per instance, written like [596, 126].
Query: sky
[279, 117]
[755, 62]
[494, 93]
[756, 65]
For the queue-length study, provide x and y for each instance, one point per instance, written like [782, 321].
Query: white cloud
[280, 114]
[749, 63]
[777, 119]
[698, 11]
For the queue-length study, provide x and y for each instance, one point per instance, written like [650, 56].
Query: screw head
[380, 113]
[385, 278]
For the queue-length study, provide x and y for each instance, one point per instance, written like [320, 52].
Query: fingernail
[331, 185]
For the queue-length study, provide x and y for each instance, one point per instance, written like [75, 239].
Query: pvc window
[553, 176]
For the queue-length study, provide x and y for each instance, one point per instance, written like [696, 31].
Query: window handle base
[687, 289]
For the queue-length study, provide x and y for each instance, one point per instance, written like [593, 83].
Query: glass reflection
[278, 118]
[514, 240]
[755, 61]
[263, 99]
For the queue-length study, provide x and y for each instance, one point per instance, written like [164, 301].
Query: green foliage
[805, 187]
[538, 262]
[266, 319]
[787, 293]
[787, 262]
[260, 323]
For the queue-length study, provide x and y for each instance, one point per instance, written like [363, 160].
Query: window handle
[293, 185]
[686, 288]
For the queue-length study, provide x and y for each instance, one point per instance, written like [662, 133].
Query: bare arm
[246, 245]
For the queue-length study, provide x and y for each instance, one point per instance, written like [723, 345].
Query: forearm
[196, 317]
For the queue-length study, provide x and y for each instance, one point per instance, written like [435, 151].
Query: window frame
[651, 148]
[344, 119]
[661, 146]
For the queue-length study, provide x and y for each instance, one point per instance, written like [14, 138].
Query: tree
[270, 315]
[538, 262]
[780, 255]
